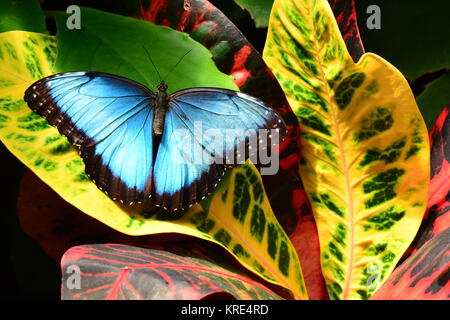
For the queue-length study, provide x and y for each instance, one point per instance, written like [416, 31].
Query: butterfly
[127, 135]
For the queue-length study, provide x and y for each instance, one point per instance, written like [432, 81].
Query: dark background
[414, 36]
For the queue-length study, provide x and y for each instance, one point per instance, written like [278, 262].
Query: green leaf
[364, 144]
[259, 10]
[109, 43]
[21, 15]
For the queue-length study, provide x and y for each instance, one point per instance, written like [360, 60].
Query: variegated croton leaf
[425, 275]
[119, 272]
[365, 152]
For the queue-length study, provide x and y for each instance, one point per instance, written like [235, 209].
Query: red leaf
[345, 14]
[306, 241]
[119, 272]
[424, 275]
[437, 217]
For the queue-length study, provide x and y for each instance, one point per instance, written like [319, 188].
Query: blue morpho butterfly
[125, 133]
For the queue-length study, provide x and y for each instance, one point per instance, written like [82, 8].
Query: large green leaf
[111, 44]
[21, 15]
[238, 216]
[365, 146]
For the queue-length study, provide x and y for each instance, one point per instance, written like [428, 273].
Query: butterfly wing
[109, 118]
[189, 165]
[235, 116]
[180, 180]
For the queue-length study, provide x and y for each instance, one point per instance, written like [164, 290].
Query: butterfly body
[161, 106]
[128, 136]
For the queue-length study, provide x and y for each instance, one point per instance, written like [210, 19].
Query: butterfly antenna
[173, 68]
[151, 60]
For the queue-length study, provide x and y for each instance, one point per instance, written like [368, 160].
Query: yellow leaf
[365, 152]
[237, 216]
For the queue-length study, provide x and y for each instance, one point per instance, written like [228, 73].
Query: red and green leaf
[424, 275]
[437, 217]
[119, 272]
[345, 14]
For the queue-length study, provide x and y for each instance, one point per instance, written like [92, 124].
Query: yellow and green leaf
[237, 216]
[365, 152]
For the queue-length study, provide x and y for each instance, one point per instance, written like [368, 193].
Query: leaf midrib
[340, 144]
[150, 265]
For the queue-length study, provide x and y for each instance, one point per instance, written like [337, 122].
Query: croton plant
[359, 206]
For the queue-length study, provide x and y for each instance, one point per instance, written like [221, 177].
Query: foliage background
[414, 37]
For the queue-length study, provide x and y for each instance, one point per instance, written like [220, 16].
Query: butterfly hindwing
[109, 118]
[180, 179]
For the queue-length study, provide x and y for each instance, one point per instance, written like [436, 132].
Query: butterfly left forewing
[109, 119]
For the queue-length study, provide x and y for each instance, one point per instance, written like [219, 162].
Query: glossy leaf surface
[119, 272]
[365, 163]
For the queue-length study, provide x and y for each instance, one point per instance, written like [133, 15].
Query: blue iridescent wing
[225, 112]
[179, 179]
[109, 118]
[188, 166]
